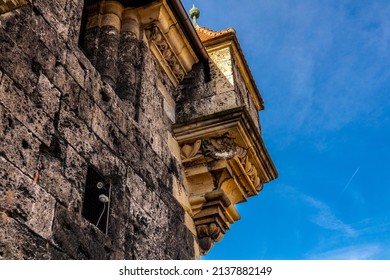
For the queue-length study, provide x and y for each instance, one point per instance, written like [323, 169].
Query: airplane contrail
[350, 180]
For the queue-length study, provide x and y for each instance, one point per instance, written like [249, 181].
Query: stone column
[130, 60]
[102, 38]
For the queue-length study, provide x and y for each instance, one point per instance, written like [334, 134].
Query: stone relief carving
[190, 151]
[251, 171]
[217, 148]
[155, 35]
[222, 148]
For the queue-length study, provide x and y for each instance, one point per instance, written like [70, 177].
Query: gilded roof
[206, 34]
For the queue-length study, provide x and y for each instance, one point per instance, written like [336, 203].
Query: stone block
[103, 127]
[80, 239]
[87, 144]
[25, 201]
[74, 10]
[207, 106]
[17, 64]
[86, 108]
[47, 96]
[75, 169]
[18, 145]
[55, 15]
[75, 69]
[25, 111]
[27, 245]
[152, 203]
[68, 87]
[51, 178]
[182, 246]
[174, 146]
[76, 133]
[109, 102]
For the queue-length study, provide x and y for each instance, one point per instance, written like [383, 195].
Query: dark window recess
[206, 69]
[83, 24]
[96, 204]
[83, 27]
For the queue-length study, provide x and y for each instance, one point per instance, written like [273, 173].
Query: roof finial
[194, 14]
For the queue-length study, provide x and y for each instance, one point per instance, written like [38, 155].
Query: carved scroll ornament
[251, 171]
[157, 37]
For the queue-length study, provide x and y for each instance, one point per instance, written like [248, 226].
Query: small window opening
[96, 205]
[83, 42]
[206, 69]
[83, 29]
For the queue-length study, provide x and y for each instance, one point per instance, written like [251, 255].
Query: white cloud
[326, 219]
[358, 252]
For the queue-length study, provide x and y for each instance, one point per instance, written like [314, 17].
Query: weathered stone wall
[243, 92]
[199, 99]
[60, 113]
[226, 89]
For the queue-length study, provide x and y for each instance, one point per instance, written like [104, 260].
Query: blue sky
[323, 68]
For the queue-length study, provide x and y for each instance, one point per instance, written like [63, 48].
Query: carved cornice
[227, 177]
[196, 159]
[225, 163]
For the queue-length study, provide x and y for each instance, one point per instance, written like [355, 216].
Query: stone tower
[125, 131]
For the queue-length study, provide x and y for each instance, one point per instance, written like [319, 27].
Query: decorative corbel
[225, 168]
[225, 163]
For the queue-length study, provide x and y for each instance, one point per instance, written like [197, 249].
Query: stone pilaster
[102, 38]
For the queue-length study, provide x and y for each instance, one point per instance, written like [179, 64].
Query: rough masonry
[125, 131]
